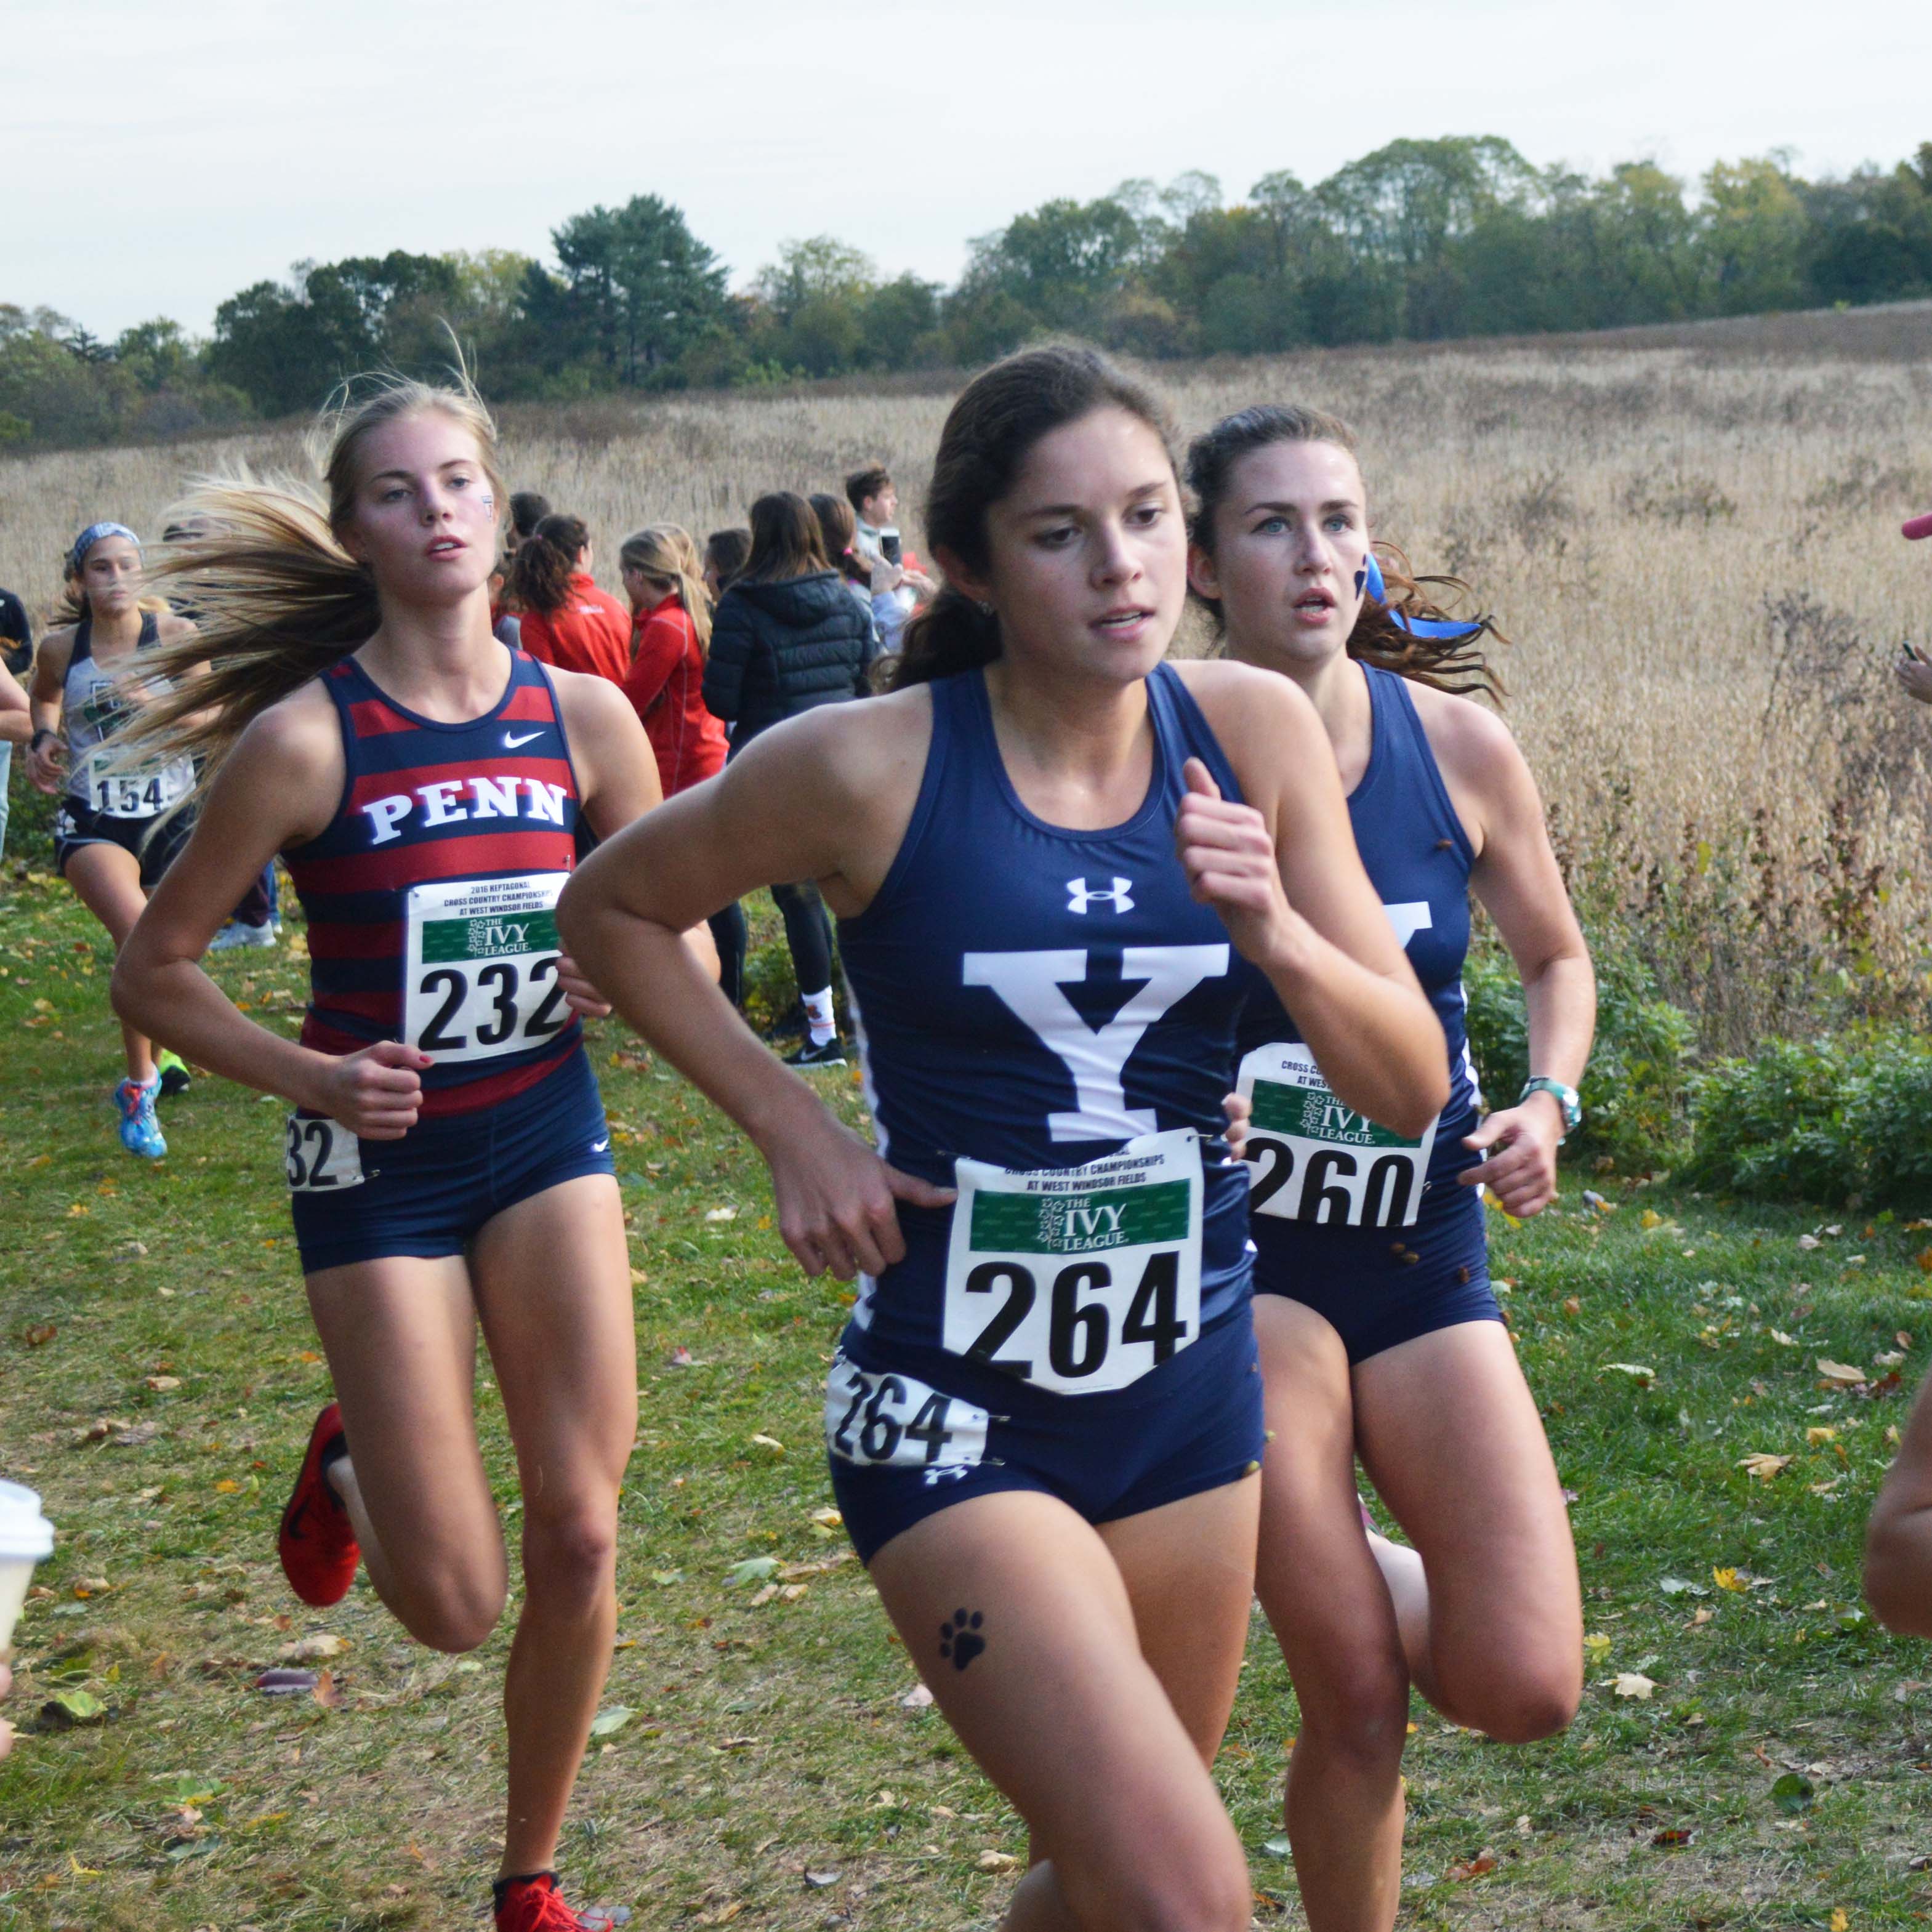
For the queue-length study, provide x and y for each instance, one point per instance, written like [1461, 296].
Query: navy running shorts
[910, 1431]
[1378, 1287]
[430, 1193]
[77, 824]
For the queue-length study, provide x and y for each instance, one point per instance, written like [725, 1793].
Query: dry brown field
[1690, 536]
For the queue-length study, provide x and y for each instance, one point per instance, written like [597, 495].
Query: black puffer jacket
[780, 649]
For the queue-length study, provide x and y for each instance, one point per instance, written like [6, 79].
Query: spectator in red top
[661, 571]
[563, 618]
[672, 616]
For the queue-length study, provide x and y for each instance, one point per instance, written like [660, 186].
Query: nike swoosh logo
[597, 1146]
[510, 744]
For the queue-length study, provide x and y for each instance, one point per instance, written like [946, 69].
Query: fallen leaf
[328, 1693]
[1820, 1434]
[679, 1357]
[609, 1722]
[764, 1596]
[1681, 1586]
[919, 1698]
[819, 1880]
[1700, 1616]
[722, 1214]
[769, 1442]
[828, 1518]
[1597, 1644]
[752, 1570]
[1675, 1838]
[1483, 1862]
[1650, 1218]
[1792, 1793]
[1278, 1848]
[1729, 1580]
[663, 1579]
[226, 1487]
[311, 1649]
[39, 1335]
[1633, 1684]
[1785, 1341]
[1807, 1242]
[1637, 1371]
[1839, 1921]
[1890, 1359]
[162, 1384]
[1841, 1375]
[1571, 1306]
[997, 1861]
[1762, 1467]
[67, 1708]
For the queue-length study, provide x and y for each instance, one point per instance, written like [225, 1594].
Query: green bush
[1846, 1121]
[1635, 1090]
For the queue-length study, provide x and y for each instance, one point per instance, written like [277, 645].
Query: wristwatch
[1565, 1097]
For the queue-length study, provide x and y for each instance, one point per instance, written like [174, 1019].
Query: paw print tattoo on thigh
[960, 1639]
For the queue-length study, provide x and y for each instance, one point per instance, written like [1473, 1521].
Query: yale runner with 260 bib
[1324, 1175]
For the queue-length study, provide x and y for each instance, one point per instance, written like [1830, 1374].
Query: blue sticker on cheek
[1361, 577]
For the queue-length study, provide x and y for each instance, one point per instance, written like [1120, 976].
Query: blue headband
[1452, 630]
[91, 535]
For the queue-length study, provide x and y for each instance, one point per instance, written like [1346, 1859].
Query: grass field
[762, 1764]
[1689, 533]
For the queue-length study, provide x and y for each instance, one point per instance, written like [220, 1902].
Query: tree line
[1420, 241]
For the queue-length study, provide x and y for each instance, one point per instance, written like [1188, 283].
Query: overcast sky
[163, 155]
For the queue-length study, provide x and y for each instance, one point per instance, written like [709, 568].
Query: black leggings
[808, 933]
[729, 935]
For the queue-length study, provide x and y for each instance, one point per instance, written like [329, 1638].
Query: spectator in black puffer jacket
[787, 637]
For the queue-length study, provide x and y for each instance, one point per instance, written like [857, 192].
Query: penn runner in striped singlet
[448, 1163]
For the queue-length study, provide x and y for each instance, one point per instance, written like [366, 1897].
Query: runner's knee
[1516, 1702]
[569, 1554]
[1357, 1712]
[457, 1617]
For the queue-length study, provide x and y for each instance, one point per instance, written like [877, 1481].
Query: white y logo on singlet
[1033, 985]
[1408, 917]
[1078, 898]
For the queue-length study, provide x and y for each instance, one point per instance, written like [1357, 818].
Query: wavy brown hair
[1458, 665]
[277, 597]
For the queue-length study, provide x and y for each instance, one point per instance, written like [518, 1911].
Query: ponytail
[666, 554]
[277, 601]
[545, 561]
[950, 634]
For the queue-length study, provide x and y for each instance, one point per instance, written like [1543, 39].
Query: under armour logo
[1078, 898]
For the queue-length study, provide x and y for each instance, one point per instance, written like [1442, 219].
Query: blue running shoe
[140, 1132]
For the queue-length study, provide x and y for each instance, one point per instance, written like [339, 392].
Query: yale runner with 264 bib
[1047, 1021]
[431, 903]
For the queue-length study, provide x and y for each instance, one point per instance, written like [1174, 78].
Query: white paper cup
[26, 1536]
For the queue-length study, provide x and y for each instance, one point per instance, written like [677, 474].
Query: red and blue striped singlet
[431, 898]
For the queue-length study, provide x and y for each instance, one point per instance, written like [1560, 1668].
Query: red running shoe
[534, 1904]
[317, 1546]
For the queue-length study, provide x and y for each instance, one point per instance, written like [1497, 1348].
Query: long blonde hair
[276, 597]
[667, 552]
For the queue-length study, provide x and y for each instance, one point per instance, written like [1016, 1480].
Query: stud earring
[985, 607]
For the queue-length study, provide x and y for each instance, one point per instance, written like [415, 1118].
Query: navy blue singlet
[1033, 996]
[1418, 858]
